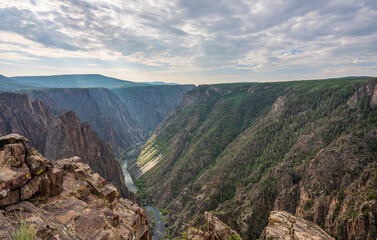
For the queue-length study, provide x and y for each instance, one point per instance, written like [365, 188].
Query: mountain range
[68, 81]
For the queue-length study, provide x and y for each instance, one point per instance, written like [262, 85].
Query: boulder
[55, 177]
[37, 164]
[12, 197]
[12, 155]
[29, 189]
[110, 193]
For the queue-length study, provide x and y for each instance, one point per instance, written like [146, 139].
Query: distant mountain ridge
[73, 81]
[8, 84]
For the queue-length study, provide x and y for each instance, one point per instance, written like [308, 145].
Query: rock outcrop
[58, 137]
[285, 226]
[368, 89]
[63, 200]
[24, 172]
[216, 230]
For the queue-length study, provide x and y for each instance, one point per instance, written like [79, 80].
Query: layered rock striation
[58, 137]
[149, 105]
[101, 108]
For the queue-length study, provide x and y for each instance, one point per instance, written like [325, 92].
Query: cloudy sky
[190, 41]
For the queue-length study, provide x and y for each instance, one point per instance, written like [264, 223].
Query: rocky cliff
[58, 137]
[61, 199]
[244, 150]
[285, 226]
[213, 229]
[101, 108]
[150, 104]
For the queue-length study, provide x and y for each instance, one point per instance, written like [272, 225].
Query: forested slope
[242, 150]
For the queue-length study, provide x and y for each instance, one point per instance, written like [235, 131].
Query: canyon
[241, 151]
[226, 161]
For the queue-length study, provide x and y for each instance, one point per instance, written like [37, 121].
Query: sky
[190, 41]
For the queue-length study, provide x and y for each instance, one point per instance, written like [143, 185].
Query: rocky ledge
[63, 200]
[285, 226]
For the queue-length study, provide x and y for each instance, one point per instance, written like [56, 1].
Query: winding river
[159, 225]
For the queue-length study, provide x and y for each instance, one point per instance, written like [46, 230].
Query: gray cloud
[207, 34]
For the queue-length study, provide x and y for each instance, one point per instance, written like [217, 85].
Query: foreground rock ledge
[283, 225]
[64, 200]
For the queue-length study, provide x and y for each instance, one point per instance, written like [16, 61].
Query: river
[159, 224]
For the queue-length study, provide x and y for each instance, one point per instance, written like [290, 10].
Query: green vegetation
[164, 212]
[140, 184]
[308, 205]
[215, 151]
[184, 236]
[26, 230]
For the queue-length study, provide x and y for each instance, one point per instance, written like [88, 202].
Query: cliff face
[101, 108]
[58, 137]
[149, 105]
[243, 150]
[285, 226]
[61, 199]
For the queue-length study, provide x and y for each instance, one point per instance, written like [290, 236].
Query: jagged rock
[110, 193]
[37, 164]
[62, 137]
[278, 107]
[12, 197]
[111, 217]
[368, 89]
[57, 210]
[283, 225]
[29, 189]
[28, 174]
[216, 230]
[11, 139]
[13, 178]
[12, 155]
[55, 177]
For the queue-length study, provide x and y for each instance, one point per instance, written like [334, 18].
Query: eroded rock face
[368, 89]
[54, 137]
[216, 230]
[149, 105]
[64, 201]
[283, 225]
[23, 172]
[278, 107]
[101, 108]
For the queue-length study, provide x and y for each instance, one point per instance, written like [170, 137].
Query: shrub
[26, 231]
